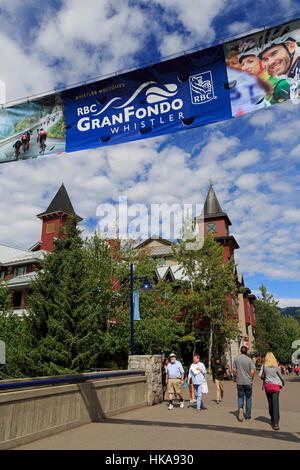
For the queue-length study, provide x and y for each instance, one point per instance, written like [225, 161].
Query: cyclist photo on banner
[17, 146]
[42, 140]
[38, 124]
[25, 141]
[264, 68]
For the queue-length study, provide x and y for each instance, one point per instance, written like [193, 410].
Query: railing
[72, 379]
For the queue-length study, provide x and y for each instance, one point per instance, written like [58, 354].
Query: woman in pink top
[273, 382]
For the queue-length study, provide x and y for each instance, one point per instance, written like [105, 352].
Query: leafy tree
[268, 334]
[5, 297]
[211, 284]
[158, 330]
[274, 332]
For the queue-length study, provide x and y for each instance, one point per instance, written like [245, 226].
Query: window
[249, 311]
[19, 271]
[211, 227]
[2, 274]
[50, 228]
[17, 299]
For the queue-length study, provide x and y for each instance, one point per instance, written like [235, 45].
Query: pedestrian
[196, 375]
[191, 388]
[218, 371]
[243, 375]
[174, 380]
[272, 384]
[297, 370]
[163, 376]
[282, 369]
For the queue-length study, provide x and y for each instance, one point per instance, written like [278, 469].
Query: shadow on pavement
[278, 435]
[291, 379]
[263, 419]
[235, 414]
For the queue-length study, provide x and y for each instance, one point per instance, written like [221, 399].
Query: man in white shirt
[197, 374]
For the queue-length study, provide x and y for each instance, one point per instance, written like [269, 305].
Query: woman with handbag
[272, 384]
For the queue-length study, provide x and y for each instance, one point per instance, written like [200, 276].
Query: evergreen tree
[102, 287]
[10, 333]
[57, 306]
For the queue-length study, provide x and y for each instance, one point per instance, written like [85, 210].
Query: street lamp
[146, 286]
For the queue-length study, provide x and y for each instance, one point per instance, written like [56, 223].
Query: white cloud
[238, 27]
[243, 159]
[174, 43]
[289, 302]
[71, 46]
[262, 118]
[295, 153]
[248, 181]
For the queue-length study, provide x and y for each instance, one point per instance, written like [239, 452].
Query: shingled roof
[212, 208]
[60, 204]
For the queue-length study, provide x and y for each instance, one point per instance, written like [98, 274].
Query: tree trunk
[210, 347]
[193, 330]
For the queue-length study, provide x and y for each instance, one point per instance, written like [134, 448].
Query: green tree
[5, 297]
[158, 330]
[267, 332]
[211, 284]
[102, 297]
[10, 333]
[274, 332]
[57, 307]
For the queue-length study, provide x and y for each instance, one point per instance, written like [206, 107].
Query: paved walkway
[215, 428]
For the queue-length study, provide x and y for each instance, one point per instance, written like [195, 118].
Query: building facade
[18, 267]
[216, 222]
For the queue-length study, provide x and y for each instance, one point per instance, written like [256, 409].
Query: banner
[193, 90]
[264, 68]
[136, 306]
[166, 97]
[32, 129]
[2, 353]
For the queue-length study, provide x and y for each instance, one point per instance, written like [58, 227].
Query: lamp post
[146, 286]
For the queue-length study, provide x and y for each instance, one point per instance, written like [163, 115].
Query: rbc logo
[201, 88]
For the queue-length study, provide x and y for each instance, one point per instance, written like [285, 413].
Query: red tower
[217, 223]
[55, 218]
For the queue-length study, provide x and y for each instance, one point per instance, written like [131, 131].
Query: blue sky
[253, 160]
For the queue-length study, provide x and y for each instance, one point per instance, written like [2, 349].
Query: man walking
[174, 380]
[218, 371]
[243, 375]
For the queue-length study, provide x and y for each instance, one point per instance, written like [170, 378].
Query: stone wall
[152, 366]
